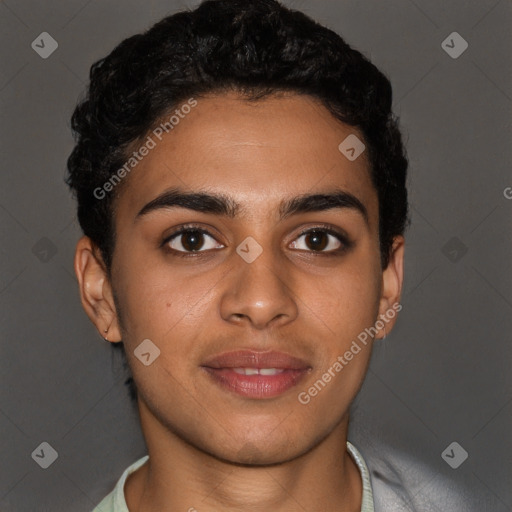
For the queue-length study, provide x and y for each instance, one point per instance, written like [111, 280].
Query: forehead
[258, 152]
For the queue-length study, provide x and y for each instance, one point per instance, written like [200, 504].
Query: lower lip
[256, 386]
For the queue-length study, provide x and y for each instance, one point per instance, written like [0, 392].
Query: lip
[255, 359]
[221, 369]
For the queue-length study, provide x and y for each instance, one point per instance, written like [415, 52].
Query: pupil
[316, 237]
[194, 238]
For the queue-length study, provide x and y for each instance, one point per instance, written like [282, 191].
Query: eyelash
[342, 238]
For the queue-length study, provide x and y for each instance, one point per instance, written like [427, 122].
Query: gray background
[443, 375]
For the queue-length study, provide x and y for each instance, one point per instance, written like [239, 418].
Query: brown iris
[319, 240]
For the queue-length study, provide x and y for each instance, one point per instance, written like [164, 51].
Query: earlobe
[95, 289]
[392, 281]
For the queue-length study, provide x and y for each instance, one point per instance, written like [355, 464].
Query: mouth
[256, 375]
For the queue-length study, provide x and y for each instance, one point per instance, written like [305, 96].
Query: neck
[179, 476]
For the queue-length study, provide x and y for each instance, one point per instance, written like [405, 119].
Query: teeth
[270, 371]
[256, 371]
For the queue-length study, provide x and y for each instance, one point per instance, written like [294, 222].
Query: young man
[241, 187]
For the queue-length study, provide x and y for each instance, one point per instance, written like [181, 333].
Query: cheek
[344, 303]
[344, 307]
[159, 302]
[169, 310]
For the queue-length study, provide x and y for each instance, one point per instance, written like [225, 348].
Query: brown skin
[289, 299]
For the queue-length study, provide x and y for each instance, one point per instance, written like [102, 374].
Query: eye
[188, 240]
[320, 239]
[191, 239]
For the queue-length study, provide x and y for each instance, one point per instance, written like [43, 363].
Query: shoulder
[115, 500]
[404, 483]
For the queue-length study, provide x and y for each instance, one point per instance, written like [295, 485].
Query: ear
[95, 289]
[392, 280]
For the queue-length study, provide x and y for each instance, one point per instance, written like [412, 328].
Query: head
[234, 114]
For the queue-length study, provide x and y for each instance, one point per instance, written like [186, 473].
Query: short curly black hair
[256, 48]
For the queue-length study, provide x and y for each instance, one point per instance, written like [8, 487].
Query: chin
[262, 450]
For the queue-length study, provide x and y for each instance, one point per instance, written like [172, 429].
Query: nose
[259, 293]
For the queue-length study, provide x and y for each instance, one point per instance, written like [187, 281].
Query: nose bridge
[260, 289]
[263, 273]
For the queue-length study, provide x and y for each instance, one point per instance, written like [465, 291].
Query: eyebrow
[221, 204]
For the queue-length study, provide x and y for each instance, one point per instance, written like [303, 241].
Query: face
[258, 271]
